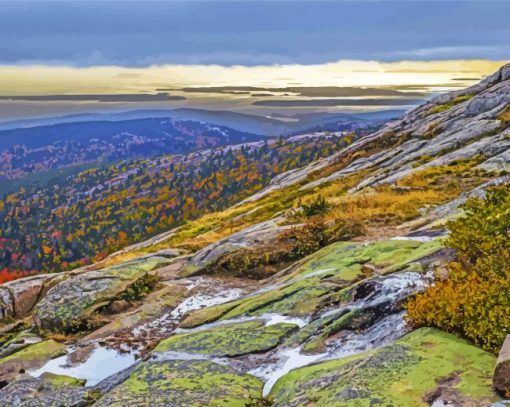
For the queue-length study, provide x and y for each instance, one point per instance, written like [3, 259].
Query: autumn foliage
[475, 300]
[84, 217]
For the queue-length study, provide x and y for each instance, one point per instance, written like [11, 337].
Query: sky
[142, 33]
[143, 48]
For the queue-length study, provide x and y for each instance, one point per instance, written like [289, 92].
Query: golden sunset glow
[34, 80]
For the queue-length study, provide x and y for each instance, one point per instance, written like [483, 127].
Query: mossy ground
[37, 352]
[62, 380]
[403, 374]
[320, 276]
[229, 340]
[187, 383]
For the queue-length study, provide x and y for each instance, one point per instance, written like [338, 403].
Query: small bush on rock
[475, 300]
[315, 206]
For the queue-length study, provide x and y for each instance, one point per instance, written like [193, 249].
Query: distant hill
[272, 125]
[39, 145]
[42, 148]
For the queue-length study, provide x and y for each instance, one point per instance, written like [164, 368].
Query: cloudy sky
[141, 33]
[133, 47]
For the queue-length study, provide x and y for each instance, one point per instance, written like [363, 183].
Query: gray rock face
[75, 298]
[501, 381]
[449, 208]
[435, 135]
[17, 298]
[34, 392]
[261, 233]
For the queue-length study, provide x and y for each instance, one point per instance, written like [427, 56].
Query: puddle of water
[101, 363]
[166, 323]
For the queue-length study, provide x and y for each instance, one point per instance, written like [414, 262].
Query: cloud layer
[143, 33]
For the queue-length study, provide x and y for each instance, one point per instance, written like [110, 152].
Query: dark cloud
[141, 33]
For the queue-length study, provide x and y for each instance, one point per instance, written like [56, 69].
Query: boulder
[259, 235]
[68, 304]
[501, 380]
[30, 357]
[31, 391]
[185, 383]
[231, 340]
[17, 298]
[426, 367]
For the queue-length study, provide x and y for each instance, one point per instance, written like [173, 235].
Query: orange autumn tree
[474, 301]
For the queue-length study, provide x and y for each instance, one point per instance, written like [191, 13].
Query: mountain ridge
[290, 298]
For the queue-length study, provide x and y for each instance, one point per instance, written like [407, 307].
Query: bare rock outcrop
[501, 381]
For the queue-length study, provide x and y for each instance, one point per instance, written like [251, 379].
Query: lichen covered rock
[30, 357]
[30, 391]
[423, 367]
[229, 340]
[184, 383]
[320, 277]
[68, 304]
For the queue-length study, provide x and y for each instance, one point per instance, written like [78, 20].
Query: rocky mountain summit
[294, 297]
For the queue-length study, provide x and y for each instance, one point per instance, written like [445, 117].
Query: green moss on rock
[448, 105]
[229, 340]
[320, 276]
[68, 305]
[30, 357]
[414, 371]
[189, 383]
[62, 380]
[37, 352]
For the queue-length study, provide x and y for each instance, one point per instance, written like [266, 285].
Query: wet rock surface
[411, 372]
[184, 383]
[329, 330]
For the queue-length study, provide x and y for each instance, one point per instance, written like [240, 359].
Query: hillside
[74, 220]
[294, 293]
[36, 146]
[36, 149]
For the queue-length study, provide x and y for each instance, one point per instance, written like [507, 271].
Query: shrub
[306, 239]
[504, 116]
[345, 229]
[315, 206]
[475, 300]
[256, 263]
[140, 288]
